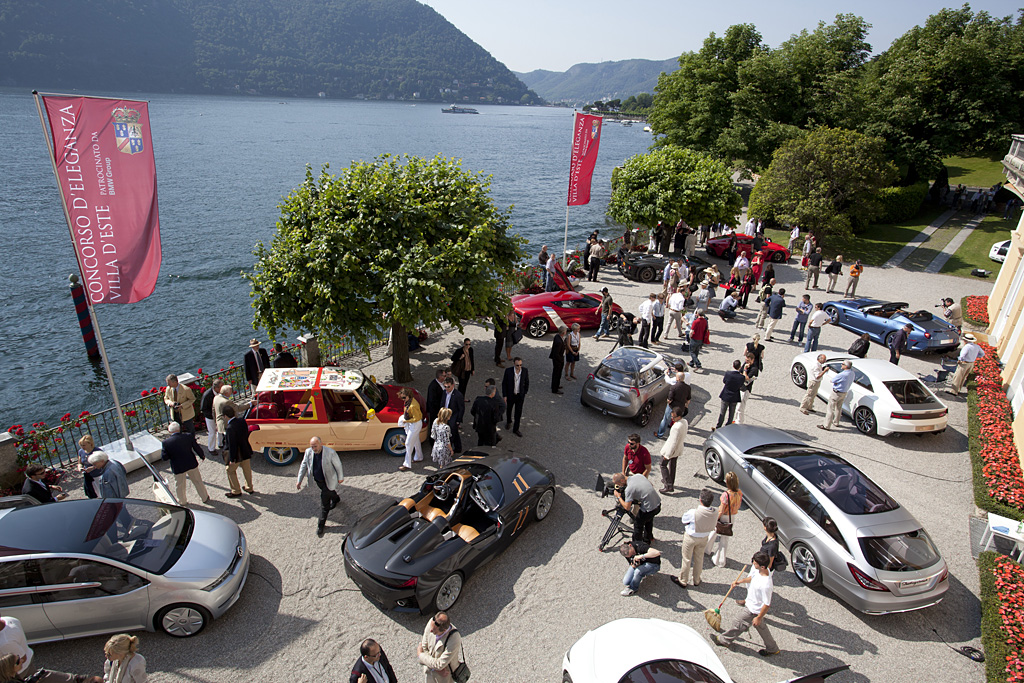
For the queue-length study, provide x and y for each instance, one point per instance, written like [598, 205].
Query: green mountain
[377, 49]
[585, 83]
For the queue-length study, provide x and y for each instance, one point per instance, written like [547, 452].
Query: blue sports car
[882, 319]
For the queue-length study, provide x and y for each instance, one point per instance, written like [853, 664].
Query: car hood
[603, 659]
[215, 542]
[392, 540]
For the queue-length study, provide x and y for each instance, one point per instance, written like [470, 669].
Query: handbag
[517, 335]
[460, 674]
[725, 528]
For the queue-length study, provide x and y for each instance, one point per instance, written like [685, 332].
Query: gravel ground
[301, 619]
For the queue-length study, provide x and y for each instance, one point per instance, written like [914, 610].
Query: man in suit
[322, 464]
[435, 395]
[439, 650]
[453, 400]
[730, 395]
[557, 357]
[239, 452]
[373, 665]
[282, 358]
[514, 385]
[486, 412]
[181, 449]
[181, 402]
[256, 361]
[37, 488]
[898, 345]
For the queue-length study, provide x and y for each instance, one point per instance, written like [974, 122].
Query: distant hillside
[586, 83]
[378, 49]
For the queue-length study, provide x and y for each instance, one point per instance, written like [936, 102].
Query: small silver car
[85, 567]
[628, 383]
[843, 531]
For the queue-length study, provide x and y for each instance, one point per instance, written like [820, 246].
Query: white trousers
[413, 447]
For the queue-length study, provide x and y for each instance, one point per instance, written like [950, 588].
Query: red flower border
[999, 456]
[1009, 583]
[977, 309]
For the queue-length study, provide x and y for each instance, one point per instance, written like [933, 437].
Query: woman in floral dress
[442, 451]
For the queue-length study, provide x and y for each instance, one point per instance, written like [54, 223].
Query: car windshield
[900, 553]
[841, 482]
[149, 536]
[373, 395]
[909, 391]
[608, 372]
[489, 491]
[670, 671]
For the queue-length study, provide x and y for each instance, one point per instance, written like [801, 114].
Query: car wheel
[646, 274]
[865, 421]
[279, 456]
[448, 593]
[888, 339]
[833, 313]
[798, 373]
[544, 504]
[778, 256]
[182, 620]
[394, 442]
[644, 416]
[713, 465]
[537, 328]
[805, 565]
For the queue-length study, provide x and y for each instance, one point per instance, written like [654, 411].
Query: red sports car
[540, 313]
[773, 251]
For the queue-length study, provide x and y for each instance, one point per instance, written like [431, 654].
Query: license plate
[607, 395]
[914, 582]
[925, 428]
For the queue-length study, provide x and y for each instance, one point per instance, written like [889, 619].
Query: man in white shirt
[684, 273]
[13, 642]
[742, 265]
[759, 599]
[676, 306]
[549, 268]
[699, 523]
[965, 363]
[750, 227]
[646, 315]
[813, 382]
[815, 322]
[794, 235]
[666, 274]
[373, 665]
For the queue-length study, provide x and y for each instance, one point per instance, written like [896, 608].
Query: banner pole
[565, 242]
[92, 311]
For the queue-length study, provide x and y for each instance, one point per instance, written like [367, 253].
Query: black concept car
[415, 554]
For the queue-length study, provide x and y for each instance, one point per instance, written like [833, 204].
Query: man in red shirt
[698, 337]
[636, 459]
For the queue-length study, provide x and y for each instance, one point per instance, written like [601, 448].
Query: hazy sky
[555, 34]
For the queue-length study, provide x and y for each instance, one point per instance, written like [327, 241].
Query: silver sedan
[86, 567]
[843, 531]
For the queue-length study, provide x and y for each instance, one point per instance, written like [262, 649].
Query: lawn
[980, 171]
[974, 252]
[876, 245]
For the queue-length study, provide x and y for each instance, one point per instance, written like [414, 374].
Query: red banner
[103, 152]
[586, 138]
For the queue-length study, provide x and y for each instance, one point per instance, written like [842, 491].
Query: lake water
[223, 164]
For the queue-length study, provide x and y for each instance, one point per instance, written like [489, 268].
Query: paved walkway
[947, 251]
[918, 240]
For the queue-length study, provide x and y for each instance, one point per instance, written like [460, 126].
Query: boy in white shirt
[759, 599]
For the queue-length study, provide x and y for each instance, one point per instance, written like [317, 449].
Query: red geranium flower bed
[977, 309]
[1009, 581]
[1001, 462]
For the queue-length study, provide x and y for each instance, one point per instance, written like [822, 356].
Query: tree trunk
[400, 354]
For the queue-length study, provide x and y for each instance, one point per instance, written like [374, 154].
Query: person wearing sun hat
[965, 362]
[256, 361]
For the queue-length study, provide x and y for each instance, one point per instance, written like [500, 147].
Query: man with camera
[637, 495]
[953, 313]
[643, 561]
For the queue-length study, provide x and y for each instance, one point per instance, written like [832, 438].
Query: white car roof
[875, 368]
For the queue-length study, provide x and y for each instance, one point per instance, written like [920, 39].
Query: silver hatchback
[843, 531]
[85, 567]
[628, 383]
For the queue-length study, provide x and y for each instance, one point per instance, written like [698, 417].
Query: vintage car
[629, 382]
[346, 409]
[650, 267]
[718, 246]
[541, 313]
[882, 319]
[415, 554]
[843, 531]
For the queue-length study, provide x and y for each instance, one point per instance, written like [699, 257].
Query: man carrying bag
[437, 652]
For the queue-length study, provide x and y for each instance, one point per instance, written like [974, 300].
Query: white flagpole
[92, 311]
[565, 241]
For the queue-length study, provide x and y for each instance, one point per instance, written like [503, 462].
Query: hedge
[981, 495]
[901, 203]
[993, 639]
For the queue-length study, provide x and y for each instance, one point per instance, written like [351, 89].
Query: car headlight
[219, 581]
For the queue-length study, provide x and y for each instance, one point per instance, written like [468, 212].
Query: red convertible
[540, 313]
[717, 246]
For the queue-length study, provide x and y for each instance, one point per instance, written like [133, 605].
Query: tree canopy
[827, 181]
[672, 183]
[400, 242]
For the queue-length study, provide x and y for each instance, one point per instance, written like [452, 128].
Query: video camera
[604, 488]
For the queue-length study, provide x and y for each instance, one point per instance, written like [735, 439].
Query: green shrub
[993, 640]
[901, 203]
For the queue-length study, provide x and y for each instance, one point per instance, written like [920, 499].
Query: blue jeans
[636, 574]
[666, 421]
[695, 351]
[812, 339]
[798, 327]
[603, 328]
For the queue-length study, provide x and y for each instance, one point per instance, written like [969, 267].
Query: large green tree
[673, 183]
[826, 181]
[400, 242]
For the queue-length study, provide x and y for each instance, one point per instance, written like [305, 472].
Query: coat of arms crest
[127, 130]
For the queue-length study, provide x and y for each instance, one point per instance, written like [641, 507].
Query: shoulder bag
[460, 674]
[725, 528]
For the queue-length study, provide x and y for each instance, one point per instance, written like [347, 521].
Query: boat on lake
[459, 110]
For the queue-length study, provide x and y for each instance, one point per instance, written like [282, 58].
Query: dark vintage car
[415, 554]
[649, 267]
[882, 319]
